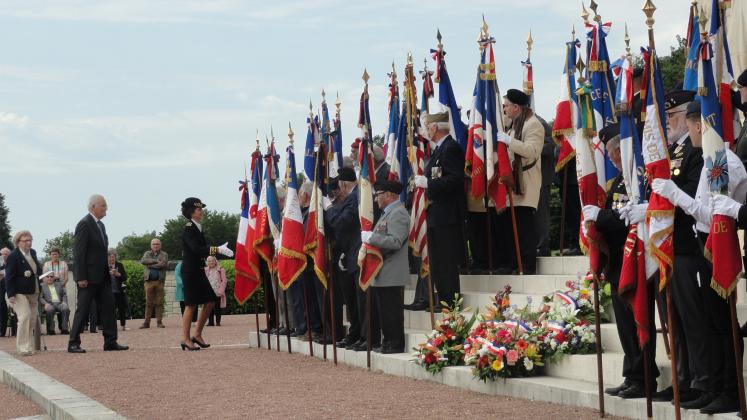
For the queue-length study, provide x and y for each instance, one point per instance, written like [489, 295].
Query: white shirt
[701, 210]
[95, 219]
[199, 226]
[440, 141]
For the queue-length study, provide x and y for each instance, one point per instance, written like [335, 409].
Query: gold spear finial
[594, 6]
[365, 76]
[324, 96]
[580, 66]
[703, 22]
[484, 27]
[272, 134]
[627, 39]
[584, 13]
[439, 37]
[573, 32]
[530, 41]
[311, 109]
[290, 133]
[648, 10]
[409, 59]
[258, 139]
[338, 103]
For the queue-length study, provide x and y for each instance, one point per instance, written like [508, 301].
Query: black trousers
[633, 361]
[102, 295]
[421, 287]
[350, 298]
[269, 295]
[391, 316]
[362, 313]
[478, 247]
[542, 220]
[4, 313]
[304, 286]
[690, 278]
[572, 213]
[527, 239]
[680, 339]
[215, 314]
[445, 252]
[122, 306]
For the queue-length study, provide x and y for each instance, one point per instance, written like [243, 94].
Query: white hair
[442, 126]
[613, 143]
[306, 188]
[94, 199]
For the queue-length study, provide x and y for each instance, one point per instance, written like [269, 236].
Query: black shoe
[184, 346]
[282, 331]
[616, 390]
[633, 391]
[392, 350]
[210, 324]
[690, 395]
[377, 349]
[352, 346]
[200, 343]
[666, 394]
[360, 346]
[93, 330]
[722, 404]
[75, 349]
[504, 270]
[266, 330]
[573, 252]
[417, 306]
[115, 347]
[294, 333]
[700, 402]
[65, 332]
[50, 333]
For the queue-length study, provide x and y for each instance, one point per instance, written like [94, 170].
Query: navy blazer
[343, 220]
[446, 205]
[16, 267]
[90, 252]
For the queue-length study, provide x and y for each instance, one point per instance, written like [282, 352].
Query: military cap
[437, 117]
[637, 72]
[693, 108]
[608, 133]
[387, 185]
[515, 96]
[676, 98]
[742, 79]
[193, 203]
[346, 174]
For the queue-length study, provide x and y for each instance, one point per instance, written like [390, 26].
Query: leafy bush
[134, 287]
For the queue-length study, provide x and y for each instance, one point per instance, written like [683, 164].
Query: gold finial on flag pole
[530, 41]
[584, 13]
[290, 133]
[594, 6]
[338, 104]
[648, 10]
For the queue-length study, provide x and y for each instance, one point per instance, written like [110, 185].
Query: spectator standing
[217, 277]
[119, 288]
[179, 290]
[58, 268]
[53, 300]
[155, 262]
[22, 287]
[4, 312]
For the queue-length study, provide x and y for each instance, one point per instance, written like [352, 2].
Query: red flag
[246, 263]
[315, 244]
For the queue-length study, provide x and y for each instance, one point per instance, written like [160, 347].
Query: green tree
[673, 66]
[218, 227]
[132, 246]
[64, 241]
[4, 224]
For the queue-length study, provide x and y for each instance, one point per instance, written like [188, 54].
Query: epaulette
[213, 250]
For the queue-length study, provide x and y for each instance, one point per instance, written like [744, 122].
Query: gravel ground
[154, 379]
[14, 404]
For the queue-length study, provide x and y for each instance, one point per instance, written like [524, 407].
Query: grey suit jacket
[46, 297]
[390, 236]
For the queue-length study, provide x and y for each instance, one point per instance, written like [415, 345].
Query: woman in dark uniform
[197, 289]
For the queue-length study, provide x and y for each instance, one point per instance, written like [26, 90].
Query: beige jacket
[153, 262]
[529, 148]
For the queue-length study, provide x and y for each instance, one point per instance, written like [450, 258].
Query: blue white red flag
[693, 47]
[246, 262]
[723, 73]
[448, 101]
[566, 111]
[291, 258]
[268, 211]
[390, 145]
[722, 245]
[315, 244]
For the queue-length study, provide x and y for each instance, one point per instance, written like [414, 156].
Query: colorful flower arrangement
[444, 346]
[505, 349]
[577, 300]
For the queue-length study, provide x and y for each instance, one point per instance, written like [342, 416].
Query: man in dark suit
[444, 184]
[92, 276]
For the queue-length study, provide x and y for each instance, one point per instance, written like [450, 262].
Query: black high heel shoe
[186, 347]
[200, 343]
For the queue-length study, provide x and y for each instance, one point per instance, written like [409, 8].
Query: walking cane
[308, 318]
[516, 233]
[597, 321]
[737, 339]
[673, 353]
[287, 319]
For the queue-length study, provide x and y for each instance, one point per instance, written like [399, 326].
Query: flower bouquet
[577, 300]
[444, 346]
[504, 349]
[559, 338]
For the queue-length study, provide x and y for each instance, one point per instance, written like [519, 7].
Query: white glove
[503, 138]
[633, 213]
[420, 181]
[276, 242]
[722, 204]
[341, 264]
[224, 250]
[669, 190]
[590, 213]
[326, 203]
[366, 236]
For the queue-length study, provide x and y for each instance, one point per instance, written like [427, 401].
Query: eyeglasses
[25, 240]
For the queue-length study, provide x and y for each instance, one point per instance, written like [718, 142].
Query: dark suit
[120, 293]
[15, 280]
[90, 264]
[690, 317]
[615, 233]
[542, 216]
[445, 215]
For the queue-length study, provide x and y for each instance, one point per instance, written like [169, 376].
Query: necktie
[103, 232]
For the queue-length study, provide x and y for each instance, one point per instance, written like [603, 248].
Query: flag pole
[564, 194]
[287, 328]
[648, 10]
[330, 266]
[308, 318]
[737, 340]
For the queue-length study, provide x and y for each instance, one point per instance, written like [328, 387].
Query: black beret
[517, 97]
[677, 97]
[693, 108]
[608, 133]
[391, 186]
[333, 184]
[742, 79]
[346, 174]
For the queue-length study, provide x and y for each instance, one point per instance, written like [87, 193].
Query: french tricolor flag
[722, 69]
[291, 258]
[564, 126]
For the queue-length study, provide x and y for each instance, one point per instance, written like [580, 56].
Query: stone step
[492, 283]
[563, 265]
[560, 390]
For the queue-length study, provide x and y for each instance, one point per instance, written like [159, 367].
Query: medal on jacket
[27, 273]
[436, 172]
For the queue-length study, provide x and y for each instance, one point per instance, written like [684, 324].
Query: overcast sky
[151, 101]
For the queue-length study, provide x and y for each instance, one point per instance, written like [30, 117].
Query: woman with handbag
[22, 272]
